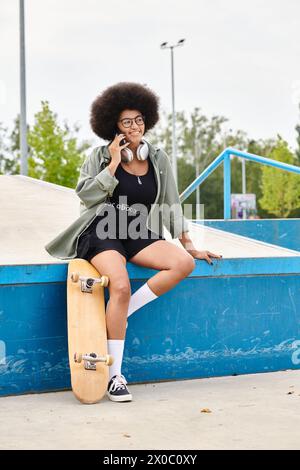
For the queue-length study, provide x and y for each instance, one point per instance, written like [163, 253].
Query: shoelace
[118, 383]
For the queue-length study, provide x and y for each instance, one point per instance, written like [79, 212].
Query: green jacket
[95, 183]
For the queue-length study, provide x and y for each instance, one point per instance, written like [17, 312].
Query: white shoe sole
[121, 398]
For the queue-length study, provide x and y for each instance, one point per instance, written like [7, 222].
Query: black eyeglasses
[127, 122]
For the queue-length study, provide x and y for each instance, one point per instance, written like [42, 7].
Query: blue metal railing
[224, 157]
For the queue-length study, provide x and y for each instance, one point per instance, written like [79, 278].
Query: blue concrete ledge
[281, 232]
[46, 273]
[235, 317]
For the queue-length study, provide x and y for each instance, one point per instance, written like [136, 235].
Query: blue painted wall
[282, 232]
[33, 326]
[237, 316]
[216, 326]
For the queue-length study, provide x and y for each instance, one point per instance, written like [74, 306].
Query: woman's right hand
[115, 148]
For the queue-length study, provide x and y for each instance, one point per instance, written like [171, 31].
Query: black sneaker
[117, 390]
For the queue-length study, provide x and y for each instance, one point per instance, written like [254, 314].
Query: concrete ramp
[33, 212]
[231, 245]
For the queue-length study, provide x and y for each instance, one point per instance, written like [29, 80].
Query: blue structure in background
[224, 157]
[281, 232]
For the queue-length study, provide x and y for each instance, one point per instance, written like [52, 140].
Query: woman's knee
[113, 264]
[120, 288]
[184, 264]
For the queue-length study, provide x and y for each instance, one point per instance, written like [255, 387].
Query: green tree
[9, 163]
[280, 189]
[3, 148]
[196, 144]
[297, 128]
[199, 141]
[254, 170]
[55, 155]
[162, 135]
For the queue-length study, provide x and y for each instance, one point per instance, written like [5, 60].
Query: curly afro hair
[107, 107]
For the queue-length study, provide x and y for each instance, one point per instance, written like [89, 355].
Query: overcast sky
[241, 58]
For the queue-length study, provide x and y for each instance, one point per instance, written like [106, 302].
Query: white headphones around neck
[141, 153]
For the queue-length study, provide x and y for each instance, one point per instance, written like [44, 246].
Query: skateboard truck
[87, 283]
[90, 360]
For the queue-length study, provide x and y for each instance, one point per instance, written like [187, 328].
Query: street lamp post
[165, 45]
[23, 124]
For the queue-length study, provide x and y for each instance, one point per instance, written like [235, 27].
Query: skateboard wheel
[74, 277]
[109, 360]
[77, 357]
[105, 281]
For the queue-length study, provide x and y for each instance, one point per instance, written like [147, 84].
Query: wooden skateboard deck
[87, 339]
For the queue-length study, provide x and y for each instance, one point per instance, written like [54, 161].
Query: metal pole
[174, 146]
[227, 186]
[23, 124]
[198, 212]
[244, 184]
[244, 175]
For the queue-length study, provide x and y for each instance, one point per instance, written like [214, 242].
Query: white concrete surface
[34, 212]
[259, 411]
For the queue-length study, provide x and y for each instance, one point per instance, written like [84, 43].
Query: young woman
[119, 185]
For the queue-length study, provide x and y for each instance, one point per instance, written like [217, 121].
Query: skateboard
[87, 338]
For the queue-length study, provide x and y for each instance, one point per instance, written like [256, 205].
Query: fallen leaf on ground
[206, 410]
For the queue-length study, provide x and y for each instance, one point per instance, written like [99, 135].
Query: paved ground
[258, 411]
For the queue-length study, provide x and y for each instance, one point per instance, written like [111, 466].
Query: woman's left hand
[203, 255]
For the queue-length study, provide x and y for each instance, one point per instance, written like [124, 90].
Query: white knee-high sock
[115, 348]
[141, 297]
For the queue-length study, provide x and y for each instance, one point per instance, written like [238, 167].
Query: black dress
[115, 227]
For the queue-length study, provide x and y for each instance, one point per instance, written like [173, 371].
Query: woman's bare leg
[113, 264]
[173, 262]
